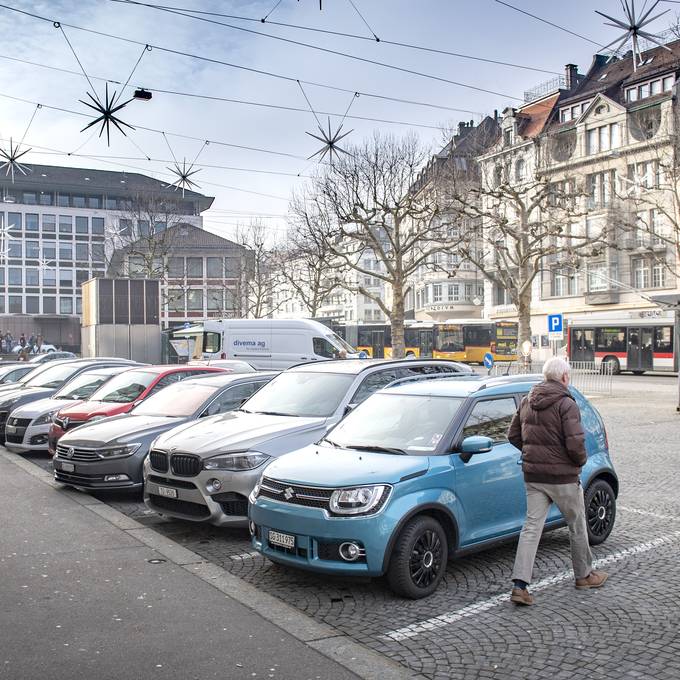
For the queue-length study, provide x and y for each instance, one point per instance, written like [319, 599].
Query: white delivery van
[264, 343]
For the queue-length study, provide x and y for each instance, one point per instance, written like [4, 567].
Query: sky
[257, 182]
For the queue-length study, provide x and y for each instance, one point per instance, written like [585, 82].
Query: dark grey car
[44, 384]
[204, 471]
[109, 454]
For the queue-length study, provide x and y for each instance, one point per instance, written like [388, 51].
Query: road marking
[648, 513]
[447, 619]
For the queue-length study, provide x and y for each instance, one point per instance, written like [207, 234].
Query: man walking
[547, 429]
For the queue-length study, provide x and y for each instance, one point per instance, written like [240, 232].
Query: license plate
[11, 429]
[283, 540]
[168, 493]
[68, 467]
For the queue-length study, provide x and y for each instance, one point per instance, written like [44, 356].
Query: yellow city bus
[466, 340]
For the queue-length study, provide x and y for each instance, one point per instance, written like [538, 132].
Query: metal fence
[587, 376]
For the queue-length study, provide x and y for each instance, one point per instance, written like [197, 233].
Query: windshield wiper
[273, 413]
[377, 449]
[328, 441]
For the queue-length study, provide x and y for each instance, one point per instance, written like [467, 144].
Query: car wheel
[600, 511]
[410, 355]
[614, 363]
[637, 372]
[418, 559]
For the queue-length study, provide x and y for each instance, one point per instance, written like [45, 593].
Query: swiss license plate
[11, 429]
[68, 467]
[283, 540]
[168, 493]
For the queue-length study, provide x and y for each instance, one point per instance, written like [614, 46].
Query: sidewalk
[80, 599]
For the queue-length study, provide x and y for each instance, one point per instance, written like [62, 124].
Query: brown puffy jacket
[547, 429]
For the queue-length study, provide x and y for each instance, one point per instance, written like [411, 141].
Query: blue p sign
[555, 323]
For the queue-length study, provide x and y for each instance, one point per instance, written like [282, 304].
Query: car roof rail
[432, 376]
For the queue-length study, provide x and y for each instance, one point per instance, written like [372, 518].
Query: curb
[360, 660]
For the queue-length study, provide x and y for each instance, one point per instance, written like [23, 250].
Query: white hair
[555, 368]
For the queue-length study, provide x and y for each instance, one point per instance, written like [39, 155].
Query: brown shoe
[521, 596]
[595, 579]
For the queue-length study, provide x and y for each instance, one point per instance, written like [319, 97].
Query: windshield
[125, 387]
[407, 423]
[301, 394]
[338, 341]
[54, 376]
[82, 386]
[175, 401]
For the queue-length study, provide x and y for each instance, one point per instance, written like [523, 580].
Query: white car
[232, 365]
[28, 426]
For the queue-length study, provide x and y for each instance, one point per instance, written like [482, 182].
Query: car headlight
[256, 490]
[44, 419]
[359, 501]
[235, 461]
[118, 451]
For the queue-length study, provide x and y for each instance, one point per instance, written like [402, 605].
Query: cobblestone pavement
[468, 629]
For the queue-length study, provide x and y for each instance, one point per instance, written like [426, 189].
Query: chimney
[571, 76]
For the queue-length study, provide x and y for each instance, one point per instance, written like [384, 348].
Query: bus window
[449, 339]
[610, 340]
[477, 336]
[663, 339]
[211, 342]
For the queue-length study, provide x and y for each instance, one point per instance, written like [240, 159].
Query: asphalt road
[468, 629]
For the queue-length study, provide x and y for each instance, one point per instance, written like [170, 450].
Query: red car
[120, 395]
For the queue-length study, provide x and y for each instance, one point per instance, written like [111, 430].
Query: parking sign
[555, 326]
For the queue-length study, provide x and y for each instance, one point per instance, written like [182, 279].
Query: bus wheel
[614, 363]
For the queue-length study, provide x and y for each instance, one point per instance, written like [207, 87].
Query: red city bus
[635, 345]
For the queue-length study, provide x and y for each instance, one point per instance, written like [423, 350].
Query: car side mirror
[474, 445]
[349, 408]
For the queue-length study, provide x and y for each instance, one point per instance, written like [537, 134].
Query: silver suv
[204, 471]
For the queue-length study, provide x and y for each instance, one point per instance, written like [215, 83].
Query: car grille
[175, 483]
[181, 507]
[15, 438]
[19, 422]
[77, 478]
[83, 455]
[232, 503]
[159, 461]
[309, 496]
[68, 424]
[185, 465]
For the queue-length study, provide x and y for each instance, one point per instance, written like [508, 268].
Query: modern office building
[59, 227]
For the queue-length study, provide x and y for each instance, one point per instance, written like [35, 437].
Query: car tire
[418, 559]
[616, 366]
[637, 372]
[600, 502]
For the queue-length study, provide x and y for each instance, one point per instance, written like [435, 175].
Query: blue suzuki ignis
[417, 474]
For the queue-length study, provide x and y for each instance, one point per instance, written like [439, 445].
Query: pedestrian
[9, 342]
[547, 429]
[342, 354]
[23, 354]
[22, 341]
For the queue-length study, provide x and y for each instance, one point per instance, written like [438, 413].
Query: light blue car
[418, 473]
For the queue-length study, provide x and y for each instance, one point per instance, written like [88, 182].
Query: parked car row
[357, 467]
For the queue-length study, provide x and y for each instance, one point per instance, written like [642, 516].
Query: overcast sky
[481, 28]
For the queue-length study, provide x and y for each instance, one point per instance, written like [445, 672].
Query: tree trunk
[524, 318]
[397, 321]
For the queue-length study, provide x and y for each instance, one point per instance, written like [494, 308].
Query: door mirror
[473, 445]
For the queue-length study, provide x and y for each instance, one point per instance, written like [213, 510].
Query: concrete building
[59, 227]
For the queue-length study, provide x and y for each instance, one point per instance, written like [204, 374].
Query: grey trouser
[569, 499]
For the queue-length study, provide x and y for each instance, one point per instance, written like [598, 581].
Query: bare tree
[262, 274]
[384, 213]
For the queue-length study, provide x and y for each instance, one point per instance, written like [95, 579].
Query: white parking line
[648, 513]
[447, 619]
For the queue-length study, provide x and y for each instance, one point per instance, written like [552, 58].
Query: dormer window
[650, 88]
[507, 137]
[568, 113]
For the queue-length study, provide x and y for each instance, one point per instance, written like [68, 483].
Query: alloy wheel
[426, 559]
[600, 512]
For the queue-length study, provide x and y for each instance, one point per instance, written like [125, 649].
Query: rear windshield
[175, 401]
[125, 387]
[54, 376]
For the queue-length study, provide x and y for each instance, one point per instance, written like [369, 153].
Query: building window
[65, 251]
[176, 267]
[14, 248]
[111, 204]
[79, 305]
[49, 278]
[82, 226]
[195, 300]
[215, 299]
[49, 252]
[650, 88]
[603, 138]
[646, 174]
[194, 267]
[158, 227]
[32, 304]
[520, 171]
[15, 304]
[97, 225]
[49, 223]
[82, 275]
[599, 186]
[49, 305]
[63, 200]
[14, 220]
[15, 276]
[143, 227]
[82, 252]
[65, 305]
[563, 283]
[125, 227]
[598, 277]
[437, 292]
[232, 267]
[659, 275]
[32, 250]
[176, 300]
[136, 265]
[46, 198]
[32, 277]
[214, 267]
[65, 224]
[98, 252]
[641, 273]
[94, 202]
[78, 201]
[65, 278]
[32, 222]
